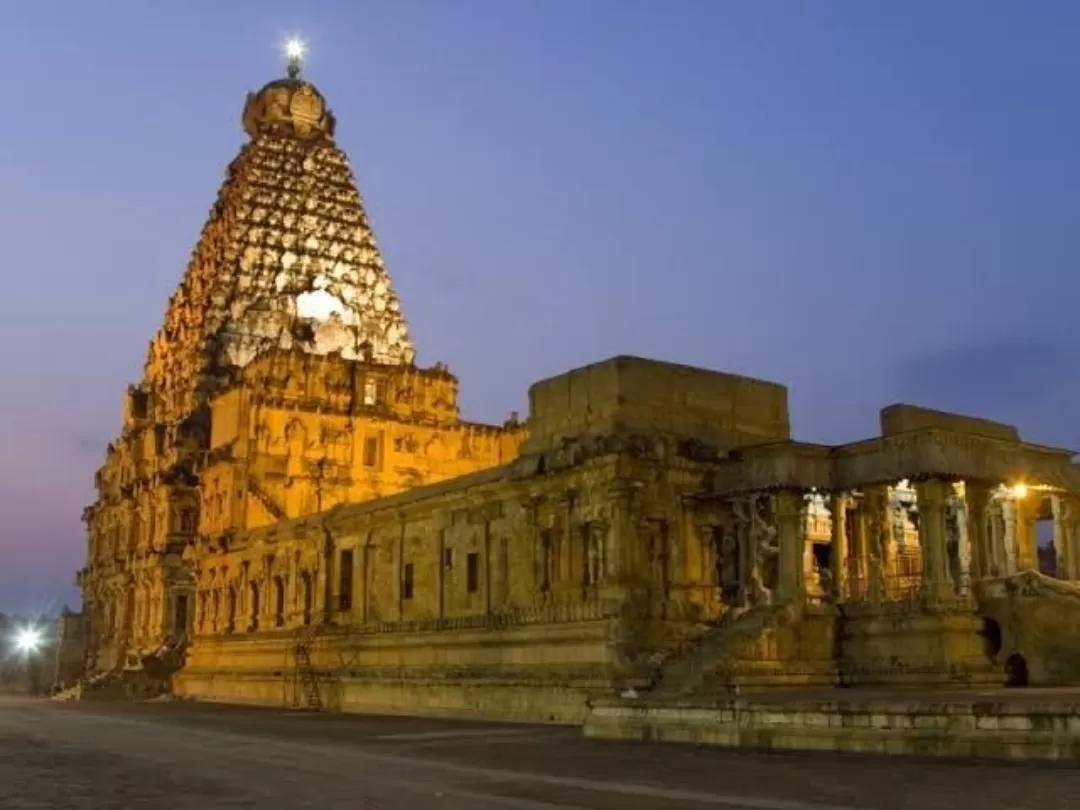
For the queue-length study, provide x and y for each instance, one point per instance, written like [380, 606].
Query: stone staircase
[711, 663]
[269, 502]
[150, 678]
[1033, 631]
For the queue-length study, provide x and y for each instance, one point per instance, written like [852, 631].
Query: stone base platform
[996, 724]
[506, 702]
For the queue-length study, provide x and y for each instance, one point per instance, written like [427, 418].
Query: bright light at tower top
[294, 51]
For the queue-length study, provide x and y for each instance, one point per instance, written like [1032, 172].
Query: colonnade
[888, 541]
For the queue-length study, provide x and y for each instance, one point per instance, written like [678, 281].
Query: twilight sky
[869, 202]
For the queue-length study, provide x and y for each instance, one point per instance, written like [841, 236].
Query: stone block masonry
[995, 726]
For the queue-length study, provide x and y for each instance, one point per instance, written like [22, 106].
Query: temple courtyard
[185, 755]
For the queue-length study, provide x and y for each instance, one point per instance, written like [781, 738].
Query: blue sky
[867, 201]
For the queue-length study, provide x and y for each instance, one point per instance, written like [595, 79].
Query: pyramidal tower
[281, 384]
[287, 259]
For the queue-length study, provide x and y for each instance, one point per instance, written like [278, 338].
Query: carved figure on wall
[591, 533]
[406, 443]
[879, 529]
[765, 539]
[754, 518]
[757, 594]
[658, 564]
[547, 563]
[726, 563]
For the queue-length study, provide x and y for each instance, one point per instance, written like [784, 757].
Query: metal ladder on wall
[306, 676]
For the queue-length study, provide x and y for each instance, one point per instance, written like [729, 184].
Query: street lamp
[28, 640]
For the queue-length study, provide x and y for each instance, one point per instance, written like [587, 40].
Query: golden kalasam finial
[294, 51]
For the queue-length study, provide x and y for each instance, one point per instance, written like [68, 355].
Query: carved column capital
[789, 503]
[838, 501]
[931, 493]
[1068, 506]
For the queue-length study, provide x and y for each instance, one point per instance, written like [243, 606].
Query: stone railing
[556, 612]
[907, 589]
[552, 613]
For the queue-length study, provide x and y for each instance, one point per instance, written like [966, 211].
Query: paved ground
[194, 757]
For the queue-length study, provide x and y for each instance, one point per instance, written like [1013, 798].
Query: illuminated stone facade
[281, 383]
[300, 509]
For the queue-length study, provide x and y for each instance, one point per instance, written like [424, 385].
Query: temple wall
[1037, 619]
[533, 672]
[903, 644]
[303, 434]
[483, 585]
[902, 418]
[632, 394]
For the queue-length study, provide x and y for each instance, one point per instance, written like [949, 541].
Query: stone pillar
[995, 538]
[243, 613]
[368, 554]
[565, 581]
[838, 507]
[931, 502]
[1072, 538]
[440, 583]
[791, 536]
[266, 589]
[1025, 533]
[751, 539]
[963, 539]
[879, 535]
[292, 590]
[322, 604]
[624, 557]
[487, 566]
[693, 556]
[977, 498]
[1065, 548]
[1007, 559]
[860, 549]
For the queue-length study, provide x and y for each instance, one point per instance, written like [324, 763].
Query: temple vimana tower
[295, 511]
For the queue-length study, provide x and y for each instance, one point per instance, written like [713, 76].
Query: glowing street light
[28, 640]
[1019, 491]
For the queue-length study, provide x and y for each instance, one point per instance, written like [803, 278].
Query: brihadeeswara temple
[295, 512]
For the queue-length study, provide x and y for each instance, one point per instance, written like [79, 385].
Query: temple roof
[287, 258]
[291, 107]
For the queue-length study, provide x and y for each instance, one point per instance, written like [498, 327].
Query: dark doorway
[180, 616]
[255, 605]
[1016, 671]
[279, 602]
[991, 636]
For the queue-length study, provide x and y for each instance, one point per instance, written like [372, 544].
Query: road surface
[183, 756]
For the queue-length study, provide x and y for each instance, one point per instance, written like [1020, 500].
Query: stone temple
[295, 512]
